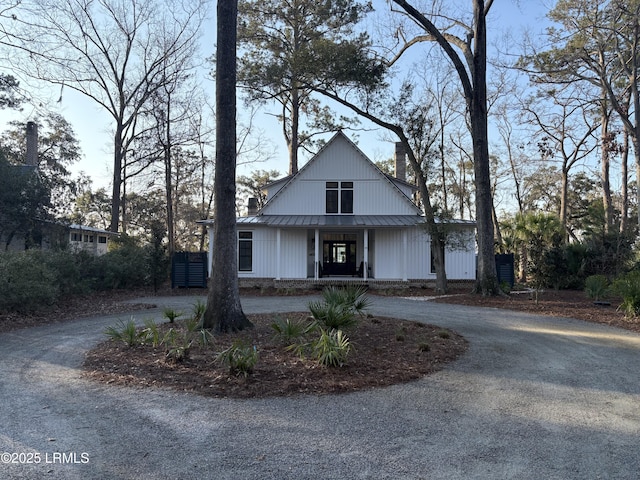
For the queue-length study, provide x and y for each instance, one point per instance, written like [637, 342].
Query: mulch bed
[386, 351]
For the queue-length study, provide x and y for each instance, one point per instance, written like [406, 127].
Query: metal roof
[343, 221]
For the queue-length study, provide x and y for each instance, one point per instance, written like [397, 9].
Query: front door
[339, 257]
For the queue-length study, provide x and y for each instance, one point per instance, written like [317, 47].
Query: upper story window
[339, 197]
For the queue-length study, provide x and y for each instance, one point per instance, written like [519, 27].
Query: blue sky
[92, 125]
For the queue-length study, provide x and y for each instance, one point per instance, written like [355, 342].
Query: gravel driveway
[533, 398]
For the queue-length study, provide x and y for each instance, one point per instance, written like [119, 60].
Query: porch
[320, 283]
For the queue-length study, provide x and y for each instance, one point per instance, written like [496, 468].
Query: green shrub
[339, 306]
[126, 333]
[125, 266]
[596, 286]
[170, 314]
[27, 283]
[239, 357]
[331, 348]
[289, 332]
[178, 346]
[333, 315]
[198, 310]
[151, 333]
[71, 270]
[628, 287]
[353, 298]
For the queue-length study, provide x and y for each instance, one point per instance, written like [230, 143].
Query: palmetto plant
[239, 357]
[595, 286]
[290, 332]
[170, 314]
[339, 306]
[628, 287]
[331, 348]
[125, 332]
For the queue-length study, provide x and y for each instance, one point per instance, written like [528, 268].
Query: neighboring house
[89, 239]
[56, 235]
[46, 234]
[340, 216]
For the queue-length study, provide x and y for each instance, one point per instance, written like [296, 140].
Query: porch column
[316, 261]
[405, 256]
[365, 265]
[278, 254]
[210, 259]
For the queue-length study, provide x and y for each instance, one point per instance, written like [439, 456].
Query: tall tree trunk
[168, 181]
[604, 173]
[624, 174]
[224, 312]
[295, 125]
[117, 180]
[487, 279]
[564, 193]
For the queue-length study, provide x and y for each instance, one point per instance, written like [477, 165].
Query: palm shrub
[339, 306]
[290, 332]
[178, 345]
[151, 333]
[628, 287]
[198, 310]
[595, 286]
[126, 332]
[353, 298]
[240, 358]
[170, 314]
[332, 348]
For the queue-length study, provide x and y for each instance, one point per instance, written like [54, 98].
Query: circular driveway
[533, 398]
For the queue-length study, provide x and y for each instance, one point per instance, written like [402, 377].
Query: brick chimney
[32, 144]
[401, 162]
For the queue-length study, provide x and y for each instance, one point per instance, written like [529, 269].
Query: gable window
[332, 197]
[245, 251]
[339, 197]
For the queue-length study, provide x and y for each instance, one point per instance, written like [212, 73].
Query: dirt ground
[386, 351]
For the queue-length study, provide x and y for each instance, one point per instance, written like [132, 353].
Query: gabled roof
[339, 135]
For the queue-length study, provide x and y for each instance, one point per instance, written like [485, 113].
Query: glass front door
[339, 257]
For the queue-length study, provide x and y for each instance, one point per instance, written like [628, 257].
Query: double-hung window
[339, 197]
[245, 251]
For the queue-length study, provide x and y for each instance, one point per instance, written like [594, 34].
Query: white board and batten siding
[373, 193]
[390, 261]
[266, 262]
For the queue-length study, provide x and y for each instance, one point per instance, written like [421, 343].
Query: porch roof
[354, 221]
[333, 220]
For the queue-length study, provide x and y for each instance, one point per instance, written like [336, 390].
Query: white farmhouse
[341, 217]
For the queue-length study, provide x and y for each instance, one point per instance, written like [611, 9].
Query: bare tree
[471, 66]
[566, 129]
[115, 52]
